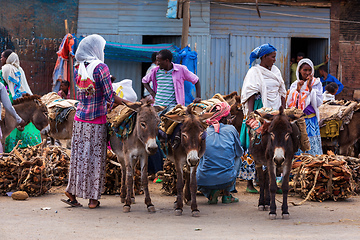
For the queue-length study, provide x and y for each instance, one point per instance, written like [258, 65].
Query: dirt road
[312, 220]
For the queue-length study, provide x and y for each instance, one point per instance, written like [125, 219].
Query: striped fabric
[165, 95]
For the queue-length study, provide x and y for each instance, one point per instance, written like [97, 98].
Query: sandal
[96, 206]
[229, 199]
[213, 199]
[251, 190]
[74, 203]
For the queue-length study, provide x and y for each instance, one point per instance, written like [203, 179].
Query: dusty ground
[312, 220]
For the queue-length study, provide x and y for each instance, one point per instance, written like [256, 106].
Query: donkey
[275, 150]
[350, 134]
[188, 152]
[136, 147]
[30, 109]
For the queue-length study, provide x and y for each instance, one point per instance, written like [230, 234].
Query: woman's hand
[309, 82]
[299, 85]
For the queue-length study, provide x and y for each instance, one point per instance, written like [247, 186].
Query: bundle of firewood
[33, 169]
[354, 165]
[113, 176]
[322, 177]
[168, 176]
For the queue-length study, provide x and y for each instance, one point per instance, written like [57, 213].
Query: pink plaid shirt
[93, 107]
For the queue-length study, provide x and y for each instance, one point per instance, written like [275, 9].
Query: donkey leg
[144, 183]
[267, 190]
[273, 188]
[261, 176]
[187, 194]
[129, 184]
[179, 188]
[285, 190]
[193, 189]
[123, 181]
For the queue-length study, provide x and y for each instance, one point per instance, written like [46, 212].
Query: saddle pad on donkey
[49, 98]
[338, 110]
[121, 120]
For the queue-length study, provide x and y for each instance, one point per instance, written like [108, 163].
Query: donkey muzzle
[192, 158]
[279, 158]
[151, 146]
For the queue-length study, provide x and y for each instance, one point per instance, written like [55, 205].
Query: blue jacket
[329, 79]
[217, 166]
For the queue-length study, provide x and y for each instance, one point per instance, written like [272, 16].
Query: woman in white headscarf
[14, 79]
[306, 94]
[88, 147]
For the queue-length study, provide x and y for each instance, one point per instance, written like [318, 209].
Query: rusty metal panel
[277, 21]
[34, 30]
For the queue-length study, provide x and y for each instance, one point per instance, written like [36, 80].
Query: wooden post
[185, 23]
[71, 71]
[70, 65]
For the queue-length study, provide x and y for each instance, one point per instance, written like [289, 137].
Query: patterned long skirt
[87, 162]
[313, 131]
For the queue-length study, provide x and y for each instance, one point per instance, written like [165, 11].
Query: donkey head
[283, 140]
[31, 109]
[147, 123]
[193, 134]
[237, 114]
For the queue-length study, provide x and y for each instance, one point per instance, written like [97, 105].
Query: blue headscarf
[261, 51]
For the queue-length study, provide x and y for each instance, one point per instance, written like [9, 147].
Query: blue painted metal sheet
[138, 17]
[230, 60]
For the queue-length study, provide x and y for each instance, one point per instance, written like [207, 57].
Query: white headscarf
[313, 98]
[15, 77]
[90, 50]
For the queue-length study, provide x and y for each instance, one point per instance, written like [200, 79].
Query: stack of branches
[322, 177]
[354, 165]
[33, 169]
[113, 176]
[168, 176]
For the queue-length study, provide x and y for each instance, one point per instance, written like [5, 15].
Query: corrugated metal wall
[126, 21]
[236, 32]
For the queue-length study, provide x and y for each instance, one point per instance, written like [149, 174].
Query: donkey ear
[134, 106]
[205, 116]
[159, 108]
[175, 118]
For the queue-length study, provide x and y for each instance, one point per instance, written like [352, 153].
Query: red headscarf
[221, 110]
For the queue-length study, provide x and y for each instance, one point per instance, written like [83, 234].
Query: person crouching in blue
[219, 166]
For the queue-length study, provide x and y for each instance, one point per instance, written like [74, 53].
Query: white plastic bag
[124, 90]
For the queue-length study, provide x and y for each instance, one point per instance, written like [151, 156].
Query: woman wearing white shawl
[263, 87]
[14, 79]
[306, 94]
[89, 138]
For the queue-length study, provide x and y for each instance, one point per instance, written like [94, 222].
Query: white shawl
[269, 84]
[90, 50]
[15, 77]
[315, 97]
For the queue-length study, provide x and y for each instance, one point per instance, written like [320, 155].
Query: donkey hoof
[133, 200]
[286, 216]
[195, 213]
[261, 207]
[178, 212]
[126, 209]
[267, 208]
[272, 216]
[151, 209]
[122, 200]
[175, 204]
